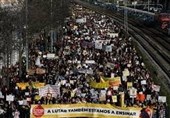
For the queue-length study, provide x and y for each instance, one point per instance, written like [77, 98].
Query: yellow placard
[129, 85]
[106, 82]
[37, 85]
[114, 98]
[22, 85]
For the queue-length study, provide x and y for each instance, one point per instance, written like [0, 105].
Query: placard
[40, 71]
[162, 99]
[90, 62]
[50, 56]
[31, 71]
[112, 35]
[10, 98]
[25, 102]
[98, 45]
[81, 20]
[110, 65]
[133, 92]
[148, 97]
[143, 82]
[27, 93]
[28, 99]
[102, 95]
[114, 98]
[126, 72]
[112, 75]
[156, 88]
[108, 48]
[20, 102]
[129, 85]
[1, 96]
[52, 89]
[2, 111]
[115, 88]
[124, 78]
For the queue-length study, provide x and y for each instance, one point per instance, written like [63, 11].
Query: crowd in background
[93, 46]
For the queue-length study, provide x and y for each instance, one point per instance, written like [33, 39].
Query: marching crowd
[94, 48]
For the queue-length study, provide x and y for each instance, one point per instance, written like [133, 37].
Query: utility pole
[126, 17]
[51, 32]
[26, 35]
[148, 5]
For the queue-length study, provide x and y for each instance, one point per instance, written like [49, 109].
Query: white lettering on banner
[91, 110]
[80, 110]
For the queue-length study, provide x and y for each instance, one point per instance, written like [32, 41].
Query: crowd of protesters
[73, 75]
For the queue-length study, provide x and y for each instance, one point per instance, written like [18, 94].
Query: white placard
[115, 87]
[148, 97]
[90, 62]
[98, 45]
[83, 95]
[108, 48]
[156, 88]
[44, 56]
[112, 75]
[112, 35]
[63, 82]
[25, 102]
[50, 56]
[2, 111]
[126, 72]
[81, 20]
[114, 98]
[52, 89]
[27, 93]
[71, 81]
[10, 98]
[110, 65]
[124, 78]
[129, 65]
[37, 62]
[143, 82]
[20, 102]
[1, 96]
[102, 95]
[162, 99]
[133, 92]
[28, 99]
